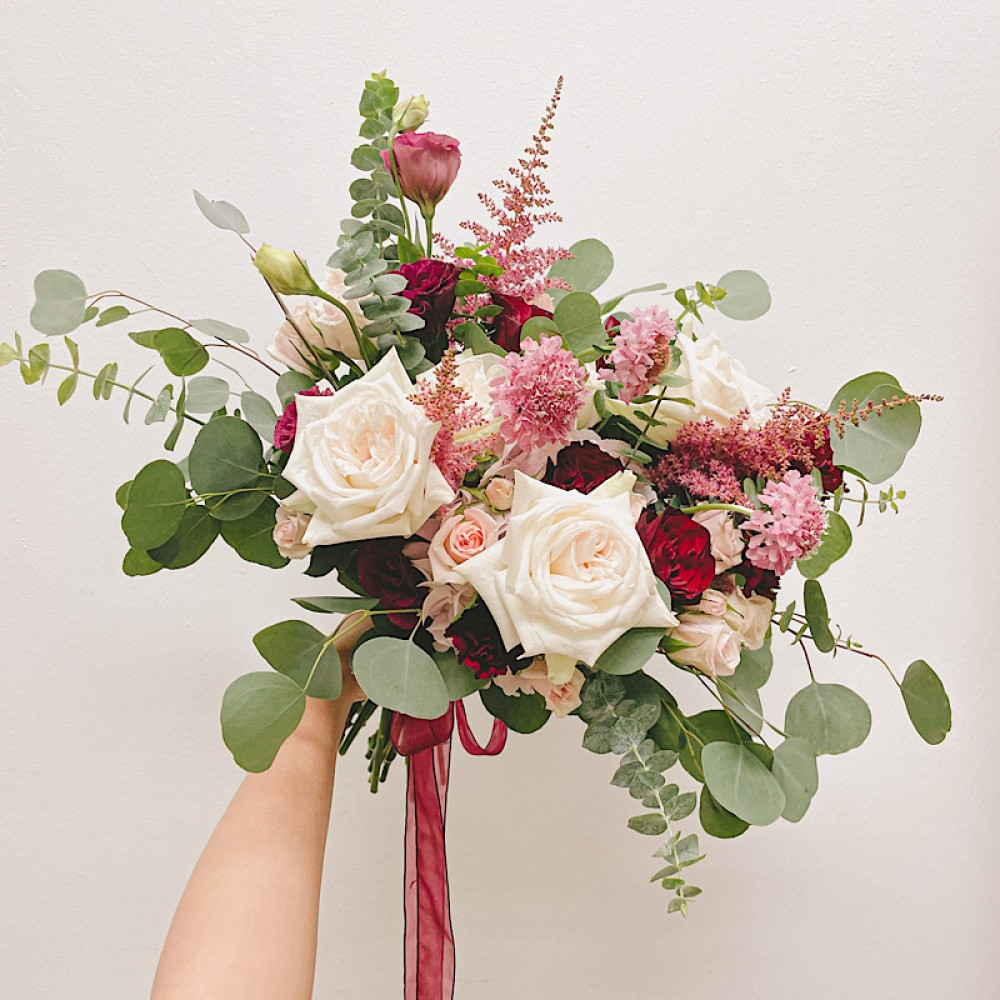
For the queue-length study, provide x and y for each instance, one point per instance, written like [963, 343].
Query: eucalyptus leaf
[192, 539]
[226, 456]
[156, 504]
[223, 331]
[60, 303]
[181, 353]
[524, 713]
[590, 266]
[718, 821]
[252, 537]
[259, 414]
[458, 678]
[830, 717]
[112, 315]
[649, 824]
[399, 675]
[742, 784]
[290, 383]
[578, 317]
[818, 617]
[304, 654]
[336, 605]
[138, 562]
[747, 295]
[259, 712]
[630, 652]
[206, 394]
[927, 702]
[222, 214]
[755, 665]
[834, 545]
[795, 770]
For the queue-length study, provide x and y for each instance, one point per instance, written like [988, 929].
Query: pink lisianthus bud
[426, 166]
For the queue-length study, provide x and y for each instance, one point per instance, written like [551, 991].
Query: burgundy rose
[430, 287]
[479, 646]
[388, 575]
[758, 581]
[507, 325]
[680, 552]
[581, 466]
[284, 429]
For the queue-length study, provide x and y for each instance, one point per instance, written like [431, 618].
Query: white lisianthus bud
[285, 271]
[410, 114]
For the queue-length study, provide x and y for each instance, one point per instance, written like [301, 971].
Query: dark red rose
[758, 581]
[387, 574]
[507, 325]
[582, 466]
[680, 552]
[284, 429]
[479, 646]
[430, 287]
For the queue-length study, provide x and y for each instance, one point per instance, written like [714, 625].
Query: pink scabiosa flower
[641, 352]
[426, 166]
[539, 397]
[789, 528]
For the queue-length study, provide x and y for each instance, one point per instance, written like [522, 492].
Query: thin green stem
[358, 337]
[429, 226]
[736, 508]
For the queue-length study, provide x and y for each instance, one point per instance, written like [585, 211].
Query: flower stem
[697, 508]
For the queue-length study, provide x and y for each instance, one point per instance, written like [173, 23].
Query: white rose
[749, 616]
[362, 456]
[712, 645]
[727, 544]
[718, 385]
[570, 576]
[321, 323]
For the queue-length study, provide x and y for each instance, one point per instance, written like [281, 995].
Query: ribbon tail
[429, 945]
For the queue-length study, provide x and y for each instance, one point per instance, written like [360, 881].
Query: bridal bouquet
[526, 492]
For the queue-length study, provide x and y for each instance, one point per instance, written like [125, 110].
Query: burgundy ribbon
[429, 944]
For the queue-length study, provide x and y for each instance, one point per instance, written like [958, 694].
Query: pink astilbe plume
[524, 206]
[641, 351]
[790, 525]
[448, 403]
[541, 394]
[711, 461]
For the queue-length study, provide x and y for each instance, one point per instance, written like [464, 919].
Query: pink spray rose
[727, 545]
[426, 166]
[500, 493]
[560, 699]
[289, 527]
[459, 538]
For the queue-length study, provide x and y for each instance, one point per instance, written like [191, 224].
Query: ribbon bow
[429, 944]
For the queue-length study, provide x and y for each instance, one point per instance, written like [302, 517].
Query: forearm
[246, 924]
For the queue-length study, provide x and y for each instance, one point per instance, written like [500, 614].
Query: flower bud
[426, 166]
[500, 494]
[284, 271]
[410, 115]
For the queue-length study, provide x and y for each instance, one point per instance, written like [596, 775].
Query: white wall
[847, 151]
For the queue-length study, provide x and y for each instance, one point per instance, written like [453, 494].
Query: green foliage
[259, 414]
[741, 783]
[222, 214]
[252, 536]
[755, 665]
[630, 652]
[206, 394]
[747, 295]
[795, 770]
[578, 317]
[612, 304]
[192, 539]
[156, 504]
[181, 353]
[831, 718]
[834, 545]
[927, 702]
[818, 617]
[139, 563]
[336, 605]
[112, 315]
[523, 713]
[290, 383]
[399, 675]
[60, 303]
[221, 331]
[590, 266]
[459, 680]
[304, 654]
[717, 821]
[876, 448]
[259, 712]
[473, 336]
[225, 458]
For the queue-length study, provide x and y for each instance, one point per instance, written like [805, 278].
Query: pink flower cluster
[790, 527]
[642, 351]
[540, 397]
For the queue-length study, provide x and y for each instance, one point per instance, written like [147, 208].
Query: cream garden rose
[749, 617]
[362, 458]
[321, 323]
[570, 576]
[727, 543]
[718, 386]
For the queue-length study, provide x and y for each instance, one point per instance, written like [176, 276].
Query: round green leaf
[181, 353]
[226, 456]
[399, 675]
[876, 448]
[578, 316]
[630, 652]
[222, 214]
[755, 666]
[290, 383]
[139, 563]
[831, 718]
[458, 678]
[588, 269]
[304, 654]
[834, 545]
[60, 303]
[926, 702]
[223, 331]
[742, 784]
[747, 295]
[206, 394]
[524, 713]
[156, 504]
[191, 540]
[112, 315]
[259, 414]
[253, 536]
[709, 727]
[259, 712]
[717, 821]
[795, 770]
